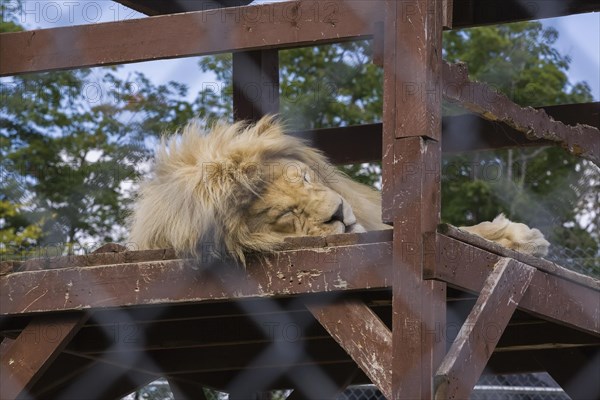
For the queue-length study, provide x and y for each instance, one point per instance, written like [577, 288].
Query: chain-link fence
[537, 386]
[584, 260]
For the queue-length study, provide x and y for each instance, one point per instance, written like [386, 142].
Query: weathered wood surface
[549, 296]
[580, 140]
[112, 253]
[284, 273]
[461, 14]
[363, 143]
[411, 187]
[276, 25]
[479, 335]
[360, 332]
[285, 24]
[540, 263]
[25, 359]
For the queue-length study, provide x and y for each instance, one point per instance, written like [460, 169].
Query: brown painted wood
[411, 186]
[448, 7]
[467, 13]
[255, 84]
[469, 132]
[65, 370]
[477, 339]
[133, 256]
[466, 267]
[540, 263]
[414, 29]
[101, 381]
[176, 281]
[580, 140]
[360, 332]
[27, 357]
[276, 25]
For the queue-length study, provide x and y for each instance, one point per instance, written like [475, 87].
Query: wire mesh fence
[585, 260]
[535, 386]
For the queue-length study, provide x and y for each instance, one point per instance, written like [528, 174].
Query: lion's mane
[203, 181]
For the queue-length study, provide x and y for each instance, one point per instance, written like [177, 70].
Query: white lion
[239, 188]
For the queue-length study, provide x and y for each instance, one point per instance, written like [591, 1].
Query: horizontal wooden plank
[469, 132]
[273, 25]
[539, 263]
[549, 296]
[463, 14]
[284, 273]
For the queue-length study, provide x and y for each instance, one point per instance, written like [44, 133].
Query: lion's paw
[513, 235]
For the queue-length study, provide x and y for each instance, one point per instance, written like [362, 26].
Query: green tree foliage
[72, 143]
[546, 187]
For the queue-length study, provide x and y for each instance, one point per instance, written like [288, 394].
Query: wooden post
[26, 358]
[411, 188]
[479, 335]
[255, 84]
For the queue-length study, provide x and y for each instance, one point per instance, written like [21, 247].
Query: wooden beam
[462, 366]
[580, 140]
[265, 26]
[36, 348]
[572, 304]
[65, 370]
[469, 132]
[540, 263]
[363, 335]
[284, 273]
[255, 84]
[462, 14]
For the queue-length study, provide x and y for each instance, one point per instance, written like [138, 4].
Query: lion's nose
[338, 215]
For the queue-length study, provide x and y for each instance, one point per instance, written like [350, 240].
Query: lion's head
[237, 188]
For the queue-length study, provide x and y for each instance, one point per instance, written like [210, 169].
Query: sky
[579, 37]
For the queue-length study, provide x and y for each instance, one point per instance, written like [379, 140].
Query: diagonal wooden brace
[479, 335]
[25, 359]
[360, 332]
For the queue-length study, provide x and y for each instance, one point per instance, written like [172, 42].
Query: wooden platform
[146, 314]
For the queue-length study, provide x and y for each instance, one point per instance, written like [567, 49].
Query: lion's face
[295, 203]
